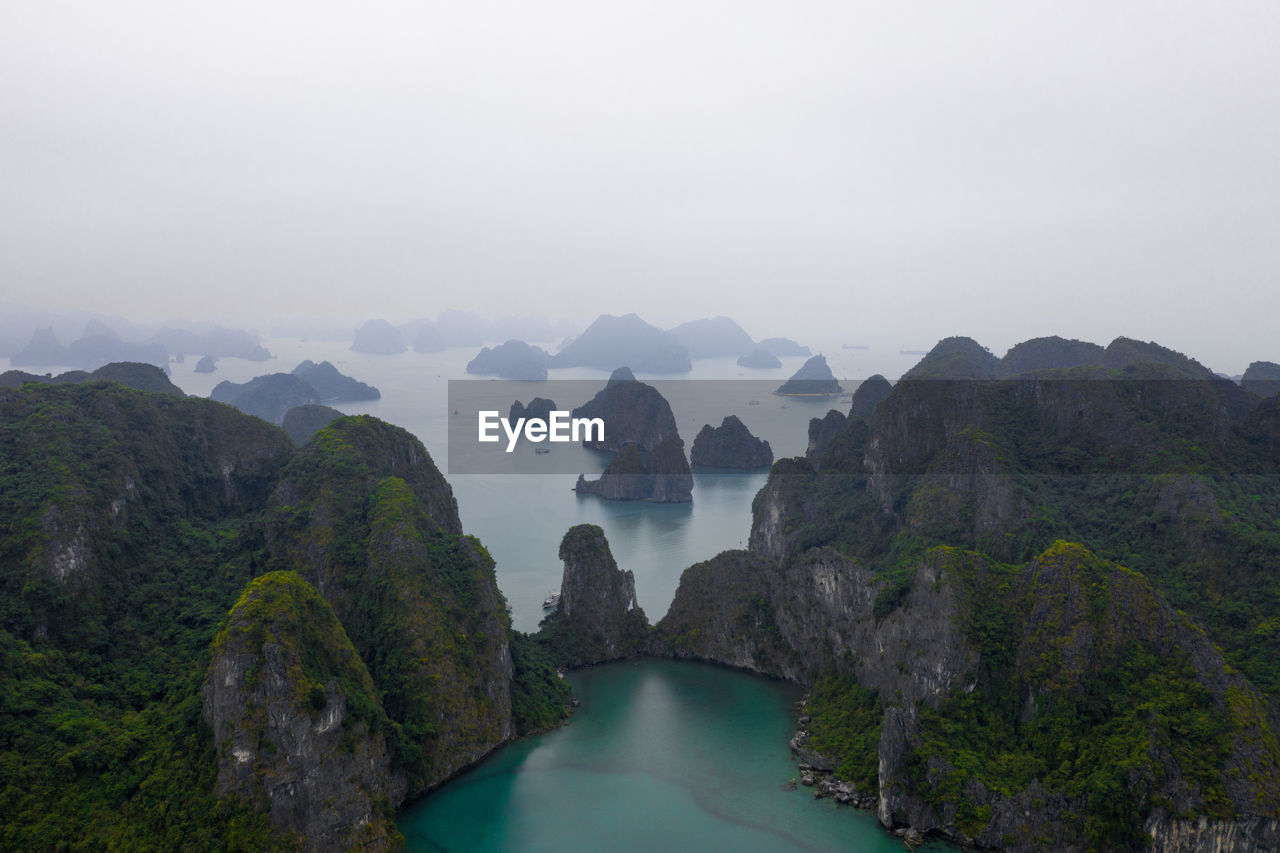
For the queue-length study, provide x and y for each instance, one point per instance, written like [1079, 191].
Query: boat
[552, 599]
[542, 450]
[753, 403]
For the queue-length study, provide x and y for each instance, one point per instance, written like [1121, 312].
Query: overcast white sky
[887, 171]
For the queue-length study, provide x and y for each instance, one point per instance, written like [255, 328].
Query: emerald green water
[661, 755]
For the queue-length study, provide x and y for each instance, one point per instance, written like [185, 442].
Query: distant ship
[552, 599]
[854, 346]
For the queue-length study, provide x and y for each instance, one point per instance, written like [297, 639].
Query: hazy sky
[883, 172]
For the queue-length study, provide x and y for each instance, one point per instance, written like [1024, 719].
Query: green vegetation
[101, 742]
[131, 524]
[844, 724]
[538, 695]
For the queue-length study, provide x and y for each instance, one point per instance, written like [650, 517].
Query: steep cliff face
[731, 445]
[297, 723]
[814, 378]
[661, 475]
[633, 413]
[267, 397]
[869, 393]
[991, 678]
[598, 618]
[1038, 697]
[539, 407]
[364, 515]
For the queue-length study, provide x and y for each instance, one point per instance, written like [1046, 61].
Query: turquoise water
[661, 755]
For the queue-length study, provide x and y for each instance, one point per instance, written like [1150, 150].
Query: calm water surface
[662, 755]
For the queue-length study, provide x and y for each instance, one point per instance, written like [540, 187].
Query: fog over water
[833, 172]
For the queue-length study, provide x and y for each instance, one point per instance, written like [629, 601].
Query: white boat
[552, 599]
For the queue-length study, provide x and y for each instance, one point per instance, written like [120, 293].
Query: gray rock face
[1261, 378]
[713, 337]
[611, 342]
[267, 397]
[633, 413]
[539, 407]
[823, 431]
[302, 422]
[277, 700]
[731, 445]
[331, 384]
[512, 360]
[818, 613]
[378, 337]
[814, 378]
[206, 364]
[868, 395]
[759, 359]
[661, 475]
[783, 347]
[598, 607]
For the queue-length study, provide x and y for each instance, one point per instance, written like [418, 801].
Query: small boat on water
[542, 450]
[552, 599]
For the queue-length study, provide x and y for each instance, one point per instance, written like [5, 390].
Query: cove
[661, 755]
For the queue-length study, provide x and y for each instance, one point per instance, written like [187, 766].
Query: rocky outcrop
[869, 394]
[612, 342]
[1261, 378]
[1052, 353]
[512, 360]
[363, 514]
[378, 337]
[958, 358]
[1061, 623]
[267, 397]
[759, 359]
[784, 347]
[143, 377]
[539, 407]
[44, 348]
[713, 337]
[822, 432]
[814, 378]
[206, 364]
[633, 413]
[731, 445]
[302, 422]
[331, 384]
[661, 475]
[297, 723]
[598, 618]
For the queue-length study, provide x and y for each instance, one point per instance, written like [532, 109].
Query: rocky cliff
[730, 445]
[1262, 378]
[868, 395]
[633, 413]
[267, 397]
[612, 342]
[331, 384]
[378, 337]
[539, 407]
[297, 723]
[661, 475]
[598, 618]
[1026, 693]
[759, 359]
[302, 422]
[814, 378]
[511, 360]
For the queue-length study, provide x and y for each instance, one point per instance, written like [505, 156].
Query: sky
[887, 172]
